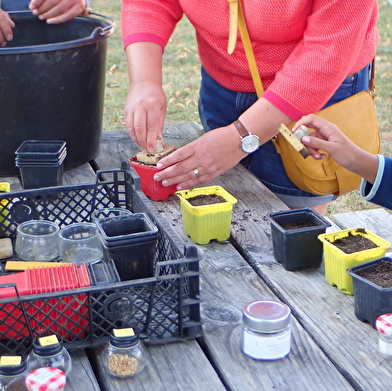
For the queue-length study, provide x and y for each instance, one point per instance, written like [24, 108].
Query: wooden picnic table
[331, 348]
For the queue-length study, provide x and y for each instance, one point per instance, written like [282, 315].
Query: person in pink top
[309, 54]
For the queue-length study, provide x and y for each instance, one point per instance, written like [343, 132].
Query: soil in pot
[205, 199]
[380, 274]
[293, 225]
[354, 243]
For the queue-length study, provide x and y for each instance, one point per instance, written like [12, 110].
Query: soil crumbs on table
[354, 243]
[205, 199]
[380, 274]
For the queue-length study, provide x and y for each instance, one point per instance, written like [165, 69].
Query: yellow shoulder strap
[237, 21]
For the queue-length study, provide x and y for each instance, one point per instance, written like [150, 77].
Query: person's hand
[6, 26]
[144, 113]
[201, 160]
[329, 138]
[57, 11]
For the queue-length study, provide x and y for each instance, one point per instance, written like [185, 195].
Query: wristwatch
[249, 142]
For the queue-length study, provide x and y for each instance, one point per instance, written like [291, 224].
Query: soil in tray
[354, 243]
[380, 274]
[205, 199]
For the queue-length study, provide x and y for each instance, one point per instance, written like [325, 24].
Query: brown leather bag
[355, 117]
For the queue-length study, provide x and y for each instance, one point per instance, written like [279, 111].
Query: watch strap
[241, 128]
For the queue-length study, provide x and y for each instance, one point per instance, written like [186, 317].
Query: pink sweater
[304, 48]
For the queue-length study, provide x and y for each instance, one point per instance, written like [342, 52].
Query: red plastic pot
[151, 188]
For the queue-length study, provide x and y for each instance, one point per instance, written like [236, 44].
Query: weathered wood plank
[228, 283]
[180, 366]
[326, 313]
[82, 376]
[379, 221]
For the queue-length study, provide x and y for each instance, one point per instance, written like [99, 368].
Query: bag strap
[237, 22]
[237, 19]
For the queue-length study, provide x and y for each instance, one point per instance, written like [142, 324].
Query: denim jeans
[219, 106]
[15, 5]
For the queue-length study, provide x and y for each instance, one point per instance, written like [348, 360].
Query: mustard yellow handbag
[355, 117]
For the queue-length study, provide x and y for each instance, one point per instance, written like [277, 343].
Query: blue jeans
[15, 5]
[219, 107]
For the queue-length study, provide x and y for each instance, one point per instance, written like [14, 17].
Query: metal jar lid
[266, 315]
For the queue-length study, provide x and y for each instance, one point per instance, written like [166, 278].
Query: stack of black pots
[40, 163]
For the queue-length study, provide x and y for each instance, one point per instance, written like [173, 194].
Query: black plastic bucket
[52, 81]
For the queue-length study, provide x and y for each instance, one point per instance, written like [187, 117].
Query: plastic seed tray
[162, 308]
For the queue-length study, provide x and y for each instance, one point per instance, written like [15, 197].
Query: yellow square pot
[336, 262]
[206, 222]
[4, 188]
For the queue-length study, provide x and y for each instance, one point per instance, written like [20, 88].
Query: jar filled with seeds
[13, 372]
[124, 355]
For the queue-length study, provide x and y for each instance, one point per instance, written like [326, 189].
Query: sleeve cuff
[367, 190]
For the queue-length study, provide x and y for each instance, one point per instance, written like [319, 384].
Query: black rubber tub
[52, 81]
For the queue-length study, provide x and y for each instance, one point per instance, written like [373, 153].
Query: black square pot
[131, 242]
[35, 176]
[370, 300]
[298, 248]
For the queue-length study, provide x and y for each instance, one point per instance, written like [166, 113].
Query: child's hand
[6, 26]
[329, 138]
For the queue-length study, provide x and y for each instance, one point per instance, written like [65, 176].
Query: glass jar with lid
[13, 372]
[46, 378]
[384, 327]
[124, 355]
[266, 330]
[48, 351]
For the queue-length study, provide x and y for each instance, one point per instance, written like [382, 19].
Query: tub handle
[105, 30]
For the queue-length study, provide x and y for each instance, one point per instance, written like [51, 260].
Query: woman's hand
[329, 138]
[57, 11]
[6, 26]
[201, 160]
[144, 113]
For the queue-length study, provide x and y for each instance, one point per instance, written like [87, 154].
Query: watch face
[250, 143]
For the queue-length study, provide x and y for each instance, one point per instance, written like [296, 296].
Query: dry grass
[182, 77]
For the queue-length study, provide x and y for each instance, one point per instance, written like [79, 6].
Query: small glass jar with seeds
[124, 355]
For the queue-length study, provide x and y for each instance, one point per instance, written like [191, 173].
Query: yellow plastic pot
[206, 222]
[4, 188]
[336, 261]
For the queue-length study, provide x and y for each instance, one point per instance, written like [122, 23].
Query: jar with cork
[48, 351]
[13, 372]
[124, 355]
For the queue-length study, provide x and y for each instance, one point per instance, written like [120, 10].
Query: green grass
[182, 79]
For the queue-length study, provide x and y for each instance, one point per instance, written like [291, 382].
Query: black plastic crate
[162, 308]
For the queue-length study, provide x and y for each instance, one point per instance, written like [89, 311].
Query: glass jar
[13, 372]
[48, 351]
[384, 327]
[46, 378]
[124, 355]
[266, 330]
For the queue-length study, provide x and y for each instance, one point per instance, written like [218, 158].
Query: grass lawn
[182, 77]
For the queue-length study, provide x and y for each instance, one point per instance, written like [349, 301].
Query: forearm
[144, 62]
[264, 119]
[365, 165]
